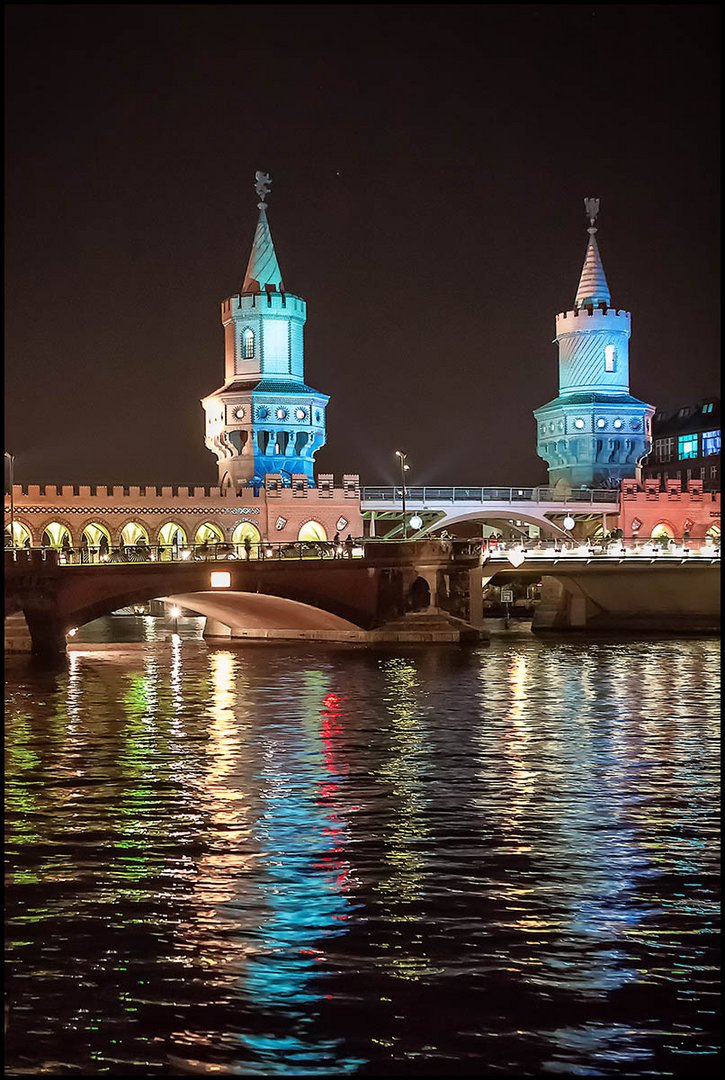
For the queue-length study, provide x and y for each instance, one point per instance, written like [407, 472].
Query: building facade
[686, 445]
[594, 433]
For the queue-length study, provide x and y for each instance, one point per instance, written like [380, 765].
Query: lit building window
[713, 472]
[248, 338]
[687, 446]
[708, 407]
[710, 443]
[664, 449]
[609, 357]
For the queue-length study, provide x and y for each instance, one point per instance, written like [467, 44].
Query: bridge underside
[237, 613]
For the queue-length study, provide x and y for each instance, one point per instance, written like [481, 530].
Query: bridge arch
[242, 612]
[497, 513]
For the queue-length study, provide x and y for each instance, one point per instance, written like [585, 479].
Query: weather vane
[592, 209]
[262, 187]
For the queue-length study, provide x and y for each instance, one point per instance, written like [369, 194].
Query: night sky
[429, 167]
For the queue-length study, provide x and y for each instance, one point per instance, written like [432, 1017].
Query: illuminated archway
[132, 532]
[246, 531]
[22, 537]
[93, 534]
[661, 531]
[56, 535]
[208, 533]
[312, 532]
[171, 536]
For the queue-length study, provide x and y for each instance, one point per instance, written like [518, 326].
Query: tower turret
[264, 419]
[594, 433]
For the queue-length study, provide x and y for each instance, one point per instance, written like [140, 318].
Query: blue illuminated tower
[264, 419]
[593, 434]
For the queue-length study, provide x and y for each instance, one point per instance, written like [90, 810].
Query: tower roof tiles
[263, 270]
[593, 287]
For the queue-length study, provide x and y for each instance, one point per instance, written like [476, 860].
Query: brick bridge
[389, 581]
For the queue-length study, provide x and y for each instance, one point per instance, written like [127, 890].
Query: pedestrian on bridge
[349, 545]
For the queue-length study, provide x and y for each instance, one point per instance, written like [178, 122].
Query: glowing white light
[416, 521]
[220, 579]
[73, 631]
[174, 612]
[569, 522]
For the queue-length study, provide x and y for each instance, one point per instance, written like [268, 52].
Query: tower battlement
[589, 319]
[262, 303]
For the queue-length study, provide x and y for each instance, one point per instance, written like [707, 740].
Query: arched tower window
[248, 344]
[610, 356]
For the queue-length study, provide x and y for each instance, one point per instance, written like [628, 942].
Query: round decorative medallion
[551, 427]
[579, 423]
[634, 424]
[617, 423]
[560, 425]
[281, 413]
[262, 412]
[300, 414]
[239, 412]
[601, 423]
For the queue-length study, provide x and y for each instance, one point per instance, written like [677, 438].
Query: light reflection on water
[276, 861]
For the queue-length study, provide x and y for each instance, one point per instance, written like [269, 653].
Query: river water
[279, 860]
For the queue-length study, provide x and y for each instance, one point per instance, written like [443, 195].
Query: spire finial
[592, 209]
[262, 187]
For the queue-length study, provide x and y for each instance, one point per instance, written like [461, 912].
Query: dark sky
[429, 166]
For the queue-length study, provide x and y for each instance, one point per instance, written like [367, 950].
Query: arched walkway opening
[95, 541]
[238, 614]
[312, 532]
[132, 532]
[246, 531]
[21, 535]
[171, 536]
[56, 535]
[208, 533]
[662, 531]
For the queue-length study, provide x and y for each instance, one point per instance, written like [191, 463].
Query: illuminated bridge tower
[593, 434]
[264, 419]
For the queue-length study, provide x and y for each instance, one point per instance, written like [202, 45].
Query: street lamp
[11, 458]
[174, 613]
[403, 470]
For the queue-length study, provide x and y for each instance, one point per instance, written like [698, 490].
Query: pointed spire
[593, 288]
[263, 272]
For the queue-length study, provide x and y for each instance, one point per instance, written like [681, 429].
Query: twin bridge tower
[265, 420]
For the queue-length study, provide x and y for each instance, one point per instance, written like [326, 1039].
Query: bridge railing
[432, 495]
[629, 547]
[145, 553]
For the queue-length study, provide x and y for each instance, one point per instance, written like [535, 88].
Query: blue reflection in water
[304, 885]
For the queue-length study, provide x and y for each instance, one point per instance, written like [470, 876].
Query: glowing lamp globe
[416, 521]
